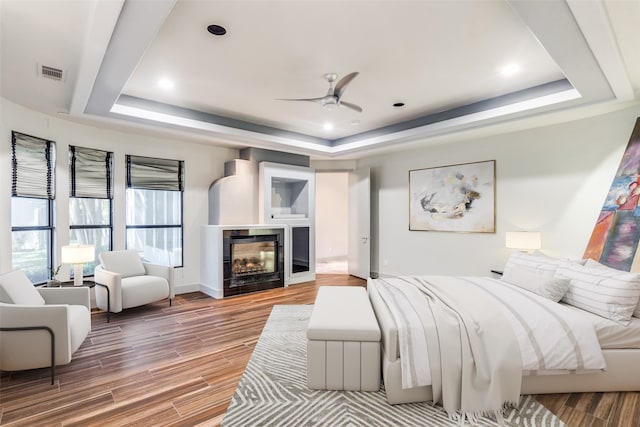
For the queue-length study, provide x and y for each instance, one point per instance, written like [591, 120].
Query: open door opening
[343, 207]
[332, 222]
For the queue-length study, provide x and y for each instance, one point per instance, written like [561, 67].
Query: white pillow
[16, 288]
[608, 293]
[538, 263]
[552, 288]
[595, 264]
[126, 263]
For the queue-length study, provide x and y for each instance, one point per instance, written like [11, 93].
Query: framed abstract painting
[459, 198]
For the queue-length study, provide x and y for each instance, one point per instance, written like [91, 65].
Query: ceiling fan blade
[318, 100]
[352, 106]
[342, 84]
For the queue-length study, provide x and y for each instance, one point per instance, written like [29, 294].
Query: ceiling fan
[333, 98]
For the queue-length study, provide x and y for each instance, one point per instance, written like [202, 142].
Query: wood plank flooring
[179, 366]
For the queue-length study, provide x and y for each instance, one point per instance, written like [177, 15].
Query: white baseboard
[185, 289]
[213, 293]
[299, 278]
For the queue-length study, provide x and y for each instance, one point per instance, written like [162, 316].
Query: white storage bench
[343, 347]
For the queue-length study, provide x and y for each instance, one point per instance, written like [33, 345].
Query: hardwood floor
[179, 366]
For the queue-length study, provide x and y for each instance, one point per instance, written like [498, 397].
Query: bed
[618, 339]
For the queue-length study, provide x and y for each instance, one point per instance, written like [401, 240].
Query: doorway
[332, 222]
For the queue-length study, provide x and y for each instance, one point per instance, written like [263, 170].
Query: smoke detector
[52, 73]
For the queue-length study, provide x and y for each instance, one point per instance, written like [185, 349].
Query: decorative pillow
[126, 263]
[595, 264]
[552, 288]
[16, 288]
[608, 293]
[538, 263]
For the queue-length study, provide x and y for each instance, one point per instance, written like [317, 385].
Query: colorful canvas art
[453, 198]
[614, 241]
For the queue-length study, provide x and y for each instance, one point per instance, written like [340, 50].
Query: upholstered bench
[343, 347]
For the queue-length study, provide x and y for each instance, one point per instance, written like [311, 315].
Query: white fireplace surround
[211, 266]
[261, 194]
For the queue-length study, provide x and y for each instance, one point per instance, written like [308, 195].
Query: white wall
[332, 214]
[203, 164]
[553, 179]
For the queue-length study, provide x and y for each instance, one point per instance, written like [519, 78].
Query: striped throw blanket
[472, 339]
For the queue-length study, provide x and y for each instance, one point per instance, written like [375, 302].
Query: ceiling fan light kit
[333, 98]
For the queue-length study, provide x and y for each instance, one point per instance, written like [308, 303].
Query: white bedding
[611, 334]
[472, 371]
[550, 337]
[553, 338]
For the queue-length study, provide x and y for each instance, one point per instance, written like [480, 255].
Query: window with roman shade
[154, 208]
[90, 173]
[149, 173]
[32, 203]
[33, 161]
[90, 200]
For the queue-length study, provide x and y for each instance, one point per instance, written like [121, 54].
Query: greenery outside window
[32, 206]
[154, 199]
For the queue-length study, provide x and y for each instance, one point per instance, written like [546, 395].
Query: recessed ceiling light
[398, 104]
[166, 83]
[510, 69]
[328, 126]
[217, 30]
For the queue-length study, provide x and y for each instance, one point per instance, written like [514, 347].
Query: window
[154, 209]
[32, 203]
[90, 191]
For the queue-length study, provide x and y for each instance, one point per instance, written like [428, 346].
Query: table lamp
[523, 240]
[76, 255]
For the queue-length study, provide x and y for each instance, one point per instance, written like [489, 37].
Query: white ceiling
[441, 58]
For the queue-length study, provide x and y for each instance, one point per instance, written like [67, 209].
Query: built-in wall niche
[289, 198]
[287, 193]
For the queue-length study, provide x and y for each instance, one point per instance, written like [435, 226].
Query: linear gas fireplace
[253, 260]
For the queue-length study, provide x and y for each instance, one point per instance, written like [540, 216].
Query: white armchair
[126, 281]
[40, 327]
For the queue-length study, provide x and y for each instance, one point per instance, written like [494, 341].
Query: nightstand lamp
[76, 255]
[524, 240]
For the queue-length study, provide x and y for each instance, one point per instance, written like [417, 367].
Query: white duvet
[472, 339]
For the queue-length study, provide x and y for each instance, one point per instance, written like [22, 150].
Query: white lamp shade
[76, 254]
[525, 240]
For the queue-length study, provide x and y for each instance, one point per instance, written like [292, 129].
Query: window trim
[73, 152]
[132, 183]
[50, 155]
[51, 234]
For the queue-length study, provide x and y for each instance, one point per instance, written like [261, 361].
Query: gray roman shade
[90, 173]
[33, 171]
[149, 173]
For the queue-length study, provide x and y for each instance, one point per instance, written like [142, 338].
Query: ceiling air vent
[51, 72]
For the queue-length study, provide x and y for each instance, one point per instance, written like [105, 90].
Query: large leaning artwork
[453, 198]
[614, 241]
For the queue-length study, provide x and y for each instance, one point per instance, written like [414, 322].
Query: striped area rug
[273, 390]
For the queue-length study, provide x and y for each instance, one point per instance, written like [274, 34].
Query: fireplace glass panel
[253, 258]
